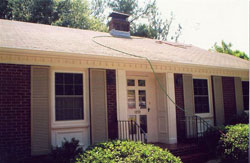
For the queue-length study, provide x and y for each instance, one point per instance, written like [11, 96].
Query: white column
[172, 128]
[121, 95]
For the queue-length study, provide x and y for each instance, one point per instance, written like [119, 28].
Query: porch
[188, 152]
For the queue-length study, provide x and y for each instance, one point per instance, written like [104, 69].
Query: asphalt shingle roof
[22, 35]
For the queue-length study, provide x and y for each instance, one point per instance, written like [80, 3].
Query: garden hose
[155, 75]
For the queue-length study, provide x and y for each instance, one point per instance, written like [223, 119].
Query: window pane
[59, 78]
[77, 78]
[142, 83]
[78, 89]
[131, 99]
[69, 108]
[59, 90]
[68, 78]
[69, 96]
[245, 87]
[69, 90]
[132, 126]
[201, 95]
[245, 90]
[143, 123]
[131, 82]
[246, 102]
[201, 105]
[142, 99]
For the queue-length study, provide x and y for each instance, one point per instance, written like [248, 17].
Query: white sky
[205, 22]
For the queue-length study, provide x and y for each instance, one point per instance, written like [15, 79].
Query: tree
[98, 9]
[17, 10]
[68, 13]
[156, 27]
[4, 10]
[42, 11]
[226, 48]
[76, 14]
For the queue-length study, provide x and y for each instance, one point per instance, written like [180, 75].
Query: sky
[205, 22]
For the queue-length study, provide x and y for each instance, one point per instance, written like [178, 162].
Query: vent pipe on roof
[119, 25]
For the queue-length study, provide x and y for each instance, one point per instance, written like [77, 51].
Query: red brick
[15, 110]
[111, 104]
[229, 98]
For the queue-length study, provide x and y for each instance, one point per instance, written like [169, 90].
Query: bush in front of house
[67, 152]
[126, 151]
[235, 143]
[212, 138]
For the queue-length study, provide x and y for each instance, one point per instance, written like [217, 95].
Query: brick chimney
[119, 25]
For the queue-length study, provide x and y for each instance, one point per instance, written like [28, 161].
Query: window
[68, 96]
[245, 90]
[201, 98]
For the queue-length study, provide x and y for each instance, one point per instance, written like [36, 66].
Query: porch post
[172, 128]
[121, 95]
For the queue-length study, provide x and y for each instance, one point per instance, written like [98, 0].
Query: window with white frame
[68, 96]
[201, 97]
[245, 90]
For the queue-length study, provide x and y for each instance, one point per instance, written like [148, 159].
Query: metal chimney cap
[118, 15]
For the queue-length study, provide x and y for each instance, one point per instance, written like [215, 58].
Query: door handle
[148, 109]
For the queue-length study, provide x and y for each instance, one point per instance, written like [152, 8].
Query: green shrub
[212, 138]
[235, 143]
[67, 152]
[126, 151]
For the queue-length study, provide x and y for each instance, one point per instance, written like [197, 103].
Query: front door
[138, 109]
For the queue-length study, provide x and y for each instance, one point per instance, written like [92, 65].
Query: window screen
[68, 96]
[201, 99]
[245, 90]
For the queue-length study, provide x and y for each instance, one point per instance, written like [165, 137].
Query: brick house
[58, 83]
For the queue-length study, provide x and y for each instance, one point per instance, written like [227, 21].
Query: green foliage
[235, 143]
[42, 11]
[76, 14]
[226, 48]
[79, 14]
[124, 6]
[212, 138]
[67, 13]
[154, 27]
[18, 10]
[4, 9]
[126, 151]
[67, 152]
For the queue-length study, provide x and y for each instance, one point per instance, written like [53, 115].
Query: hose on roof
[149, 62]
[155, 75]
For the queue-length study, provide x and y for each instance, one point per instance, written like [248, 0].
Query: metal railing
[196, 128]
[130, 130]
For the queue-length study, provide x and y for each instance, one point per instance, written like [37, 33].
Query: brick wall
[179, 98]
[229, 98]
[111, 104]
[14, 111]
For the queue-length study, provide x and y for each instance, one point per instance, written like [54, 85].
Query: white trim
[49, 58]
[121, 95]
[137, 88]
[171, 109]
[210, 98]
[70, 123]
[83, 141]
